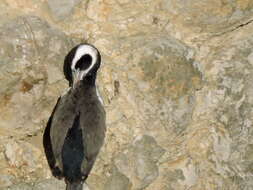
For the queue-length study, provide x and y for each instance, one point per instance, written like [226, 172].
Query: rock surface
[62, 8]
[176, 80]
[42, 185]
[30, 71]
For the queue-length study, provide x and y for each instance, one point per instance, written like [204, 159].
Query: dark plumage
[76, 129]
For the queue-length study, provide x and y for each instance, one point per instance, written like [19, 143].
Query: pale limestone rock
[49, 184]
[61, 9]
[208, 16]
[27, 67]
[6, 180]
[117, 181]
[250, 58]
[138, 162]
[23, 155]
[53, 184]
[21, 186]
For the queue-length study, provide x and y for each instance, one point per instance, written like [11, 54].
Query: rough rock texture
[31, 70]
[42, 185]
[30, 64]
[62, 8]
[176, 80]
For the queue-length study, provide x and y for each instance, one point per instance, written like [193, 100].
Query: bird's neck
[87, 84]
[89, 81]
[83, 88]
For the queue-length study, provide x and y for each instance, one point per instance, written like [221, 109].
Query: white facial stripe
[99, 97]
[81, 51]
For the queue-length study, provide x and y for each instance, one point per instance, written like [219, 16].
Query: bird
[76, 129]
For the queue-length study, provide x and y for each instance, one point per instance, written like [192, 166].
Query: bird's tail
[74, 186]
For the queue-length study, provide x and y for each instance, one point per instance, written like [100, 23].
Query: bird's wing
[48, 144]
[62, 122]
[93, 127]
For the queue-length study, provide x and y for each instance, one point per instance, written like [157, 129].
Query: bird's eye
[84, 62]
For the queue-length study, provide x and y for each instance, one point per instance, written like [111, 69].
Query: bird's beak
[77, 76]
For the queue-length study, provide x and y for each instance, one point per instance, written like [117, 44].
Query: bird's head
[81, 64]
